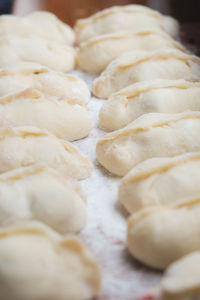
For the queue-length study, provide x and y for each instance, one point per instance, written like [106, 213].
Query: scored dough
[161, 181]
[41, 23]
[41, 193]
[30, 107]
[24, 146]
[94, 55]
[136, 66]
[37, 263]
[24, 48]
[162, 96]
[31, 75]
[137, 17]
[151, 135]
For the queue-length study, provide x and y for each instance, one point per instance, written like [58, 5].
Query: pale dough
[41, 23]
[158, 236]
[41, 193]
[24, 146]
[161, 181]
[30, 48]
[162, 96]
[38, 263]
[127, 17]
[30, 107]
[31, 75]
[136, 66]
[94, 55]
[151, 135]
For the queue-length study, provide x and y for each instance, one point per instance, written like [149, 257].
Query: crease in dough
[94, 55]
[31, 48]
[112, 20]
[41, 23]
[151, 135]
[158, 236]
[32, 75]
[136, 66]
[160, 181]
[41, 193]
[25, 146]
[161, 96]
[51, 267]
[30, 107]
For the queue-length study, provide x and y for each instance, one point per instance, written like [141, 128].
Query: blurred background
[186, 11]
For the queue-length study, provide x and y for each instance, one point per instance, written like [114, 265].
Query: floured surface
[123, 278]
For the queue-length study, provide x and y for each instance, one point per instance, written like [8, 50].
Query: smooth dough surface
[43, 24]
[158, 236]
[31, 75]
[30, 107]
[24, 146]
[30, 48]
[41, 193]
[161, 181]
[137, 17]
[94, 55]
[136, 66]
[38, 263]
[151, 135]
[162, 96]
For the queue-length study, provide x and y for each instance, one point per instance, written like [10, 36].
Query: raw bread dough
[136, 66]
[41, 23]
[30, 48]
[181, 281]
[162, 96]
[38, 263]
[30, 107]
[31, 75]
[151, 135]
[161, 181]
[158, 236]
[41, 193]
[129, 17]
[24, 146]
[94, 55]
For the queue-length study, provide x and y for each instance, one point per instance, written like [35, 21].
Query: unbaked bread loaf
[136, 66]
[41, 23]
[30, 107]
[31, 48]
[24, 146]
[31, 75]
[41, 193]
[94, 55]
[162, 96]
[151, 135]
[161, 181]
[127, 17]
[38, 263]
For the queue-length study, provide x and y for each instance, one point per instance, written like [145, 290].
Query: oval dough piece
[94, 55]
[31, 75]
[161, 181]
[159, 236]
[24, 146]
[43, 194]
[69, 121]
[151, 135]
[137, 66]
[37, 263]
[23, 48]
[162, 96]
[41, 23]
[137, 17]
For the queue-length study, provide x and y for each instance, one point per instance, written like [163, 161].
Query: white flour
[123, 278]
